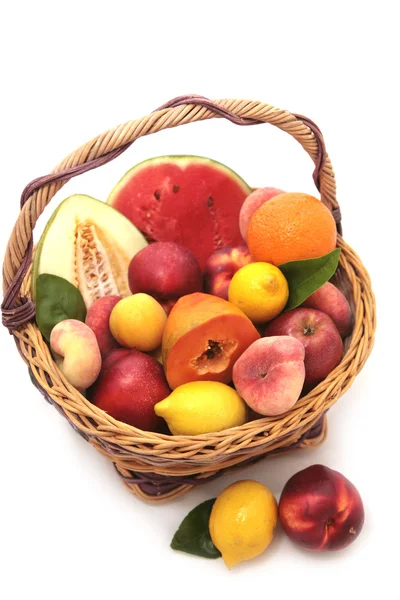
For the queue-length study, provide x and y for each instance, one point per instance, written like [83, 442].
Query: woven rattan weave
[156, 466]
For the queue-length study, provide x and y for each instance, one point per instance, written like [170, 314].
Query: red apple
[319, 336]
[320, 509]
[269, 375]
[129, 385]
[221, 267]
[330, 300]
[251, 203]
[98, 319]
[166, 271]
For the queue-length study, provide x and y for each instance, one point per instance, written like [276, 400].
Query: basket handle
[18, 309]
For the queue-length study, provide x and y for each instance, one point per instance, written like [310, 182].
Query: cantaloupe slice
[91, 245]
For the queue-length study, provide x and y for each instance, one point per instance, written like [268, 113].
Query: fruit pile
[189, 303]
[319, 509]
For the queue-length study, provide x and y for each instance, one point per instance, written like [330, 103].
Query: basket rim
[258, 426]
[129, 447]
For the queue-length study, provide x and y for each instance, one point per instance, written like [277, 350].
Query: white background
[69, 529]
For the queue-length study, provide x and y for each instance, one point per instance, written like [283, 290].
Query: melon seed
[94, 273]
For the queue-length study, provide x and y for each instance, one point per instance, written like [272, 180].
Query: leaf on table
[193, 535]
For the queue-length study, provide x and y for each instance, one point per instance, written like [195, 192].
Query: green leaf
[56, 300]
[304, 277]
[193, 535]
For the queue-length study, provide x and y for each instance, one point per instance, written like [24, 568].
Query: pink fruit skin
[129, 385]
[269, 375]
[221, 267]
[320, 509]
[250, 205]
[166, 271]
[77, 352]
[319, 336]
[98, 318]
[330, 300]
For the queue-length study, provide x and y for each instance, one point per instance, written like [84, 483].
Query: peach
[203, 338]
[319, 336]
[252, 202]
[269, 375]
[166, 271]
[221, 267]
[77, 352]
[128, 387]
[330, 300]
[98, 319]
[138, 321]
[320, 509]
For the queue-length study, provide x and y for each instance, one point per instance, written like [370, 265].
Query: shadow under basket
[157, 467]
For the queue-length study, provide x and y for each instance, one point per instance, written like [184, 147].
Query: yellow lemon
[138, 321]
[260, 290]
[243, 521]
[202, 407]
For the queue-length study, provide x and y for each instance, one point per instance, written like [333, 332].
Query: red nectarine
[221, 267]
[320, 509]
[129, 385]
[98, 319]
[166, 271]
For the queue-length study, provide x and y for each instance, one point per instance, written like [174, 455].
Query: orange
[291, 226]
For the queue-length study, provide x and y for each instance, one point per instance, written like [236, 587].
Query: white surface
[69, 527]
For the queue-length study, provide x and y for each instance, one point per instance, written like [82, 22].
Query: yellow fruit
[260, 290]
[138, 321]
[202, 407]
[242, 521]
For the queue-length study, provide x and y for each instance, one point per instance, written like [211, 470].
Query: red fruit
[129, 385]
[166, 271]
[319, 336]
[98, 319]
[168, 305]
[320, 509]
[330, 300]
[221, 267]
[191, 200]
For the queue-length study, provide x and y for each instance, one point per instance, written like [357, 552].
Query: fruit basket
[157, 466]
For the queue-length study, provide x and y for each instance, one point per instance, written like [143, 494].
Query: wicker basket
[155, 466]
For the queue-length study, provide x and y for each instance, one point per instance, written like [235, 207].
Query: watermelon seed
[210, 201]
[175, 188]
[157, 195]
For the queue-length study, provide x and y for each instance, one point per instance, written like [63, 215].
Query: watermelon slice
[191, 200]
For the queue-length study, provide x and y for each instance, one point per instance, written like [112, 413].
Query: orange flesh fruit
[203, 338]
